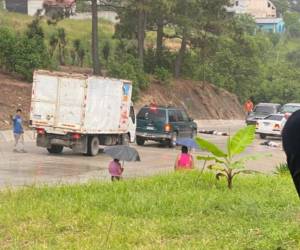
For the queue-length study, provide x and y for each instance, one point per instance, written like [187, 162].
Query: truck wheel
[262, 136]
[55, 149]
[125, 139]
[140, 141]
[93, 146]
[172, 142]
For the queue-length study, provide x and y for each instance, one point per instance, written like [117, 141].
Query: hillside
[203, 101]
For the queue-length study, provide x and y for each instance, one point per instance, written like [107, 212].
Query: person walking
[184, 160]
[115, 169]
[18, 132]
[291, 147]
[248, 106]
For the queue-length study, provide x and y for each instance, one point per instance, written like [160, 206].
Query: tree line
[162, 39]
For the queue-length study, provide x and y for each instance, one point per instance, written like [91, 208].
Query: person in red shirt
[248, 106]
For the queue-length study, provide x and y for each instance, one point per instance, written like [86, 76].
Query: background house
[30, 7]
[275, 25]
[263, 12]
[255, 8]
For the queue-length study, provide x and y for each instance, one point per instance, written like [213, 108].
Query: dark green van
[164, 125]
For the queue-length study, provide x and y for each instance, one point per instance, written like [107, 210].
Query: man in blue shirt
[18, 131]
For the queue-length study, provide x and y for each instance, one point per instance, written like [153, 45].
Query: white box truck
[80, 111]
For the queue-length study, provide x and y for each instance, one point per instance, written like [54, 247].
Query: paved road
[38, 167]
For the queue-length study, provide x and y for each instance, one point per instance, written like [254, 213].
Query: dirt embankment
[202, 101]
[13, 94]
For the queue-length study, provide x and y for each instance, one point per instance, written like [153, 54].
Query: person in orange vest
[248, 106]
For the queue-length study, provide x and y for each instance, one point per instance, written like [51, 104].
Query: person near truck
[115, 169]
[248, 106]
[184, 160]
[18, 131]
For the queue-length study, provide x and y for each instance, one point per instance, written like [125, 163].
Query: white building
[255, 8]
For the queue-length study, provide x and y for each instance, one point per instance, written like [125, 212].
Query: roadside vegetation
[176, 211]
[163, 39]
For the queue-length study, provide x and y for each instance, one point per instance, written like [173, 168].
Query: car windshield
[264, 110]
[275, 117]
[152, 114]
[289, 108]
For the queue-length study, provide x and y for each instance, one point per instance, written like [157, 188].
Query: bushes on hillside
[129, 68]
[23, 53]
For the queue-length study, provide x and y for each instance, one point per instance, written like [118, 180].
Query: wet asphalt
[37, 167]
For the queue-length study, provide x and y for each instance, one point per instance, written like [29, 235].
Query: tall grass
[177, 211]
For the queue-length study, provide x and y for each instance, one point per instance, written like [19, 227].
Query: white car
[272, 125]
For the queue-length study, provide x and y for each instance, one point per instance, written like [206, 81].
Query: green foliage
[8, 40]
[223, 162]
[241, 140]
[282, 169]
[23, 53]
[30, 54]
[129, 68]
[162, 75]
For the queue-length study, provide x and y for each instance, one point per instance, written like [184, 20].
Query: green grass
[177, 211]
[75, 29]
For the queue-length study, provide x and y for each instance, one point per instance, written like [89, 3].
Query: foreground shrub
[224, 163]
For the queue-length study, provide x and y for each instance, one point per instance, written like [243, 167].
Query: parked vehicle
[81, 112]
[163, 124]
[261, 111]
[272, 125]
[289, 109]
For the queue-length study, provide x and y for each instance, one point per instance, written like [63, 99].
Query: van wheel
[262, 136]
[55, 149]
[93, 146]
[140, 141]
[172, 142]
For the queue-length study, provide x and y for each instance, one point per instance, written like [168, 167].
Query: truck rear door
[70, 103]
[44, 100]
[57, 102]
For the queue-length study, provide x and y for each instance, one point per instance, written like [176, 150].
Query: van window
[154, 114]
[264, 110]
[179, 115]
[173, 117]
[185, 116]
[289, 108]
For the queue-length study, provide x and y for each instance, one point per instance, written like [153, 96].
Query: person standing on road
[248, 106]
[184, 160]
[291, 146]
[18, 131]
[115, 169]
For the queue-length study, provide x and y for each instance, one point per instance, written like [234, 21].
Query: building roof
[268, 20]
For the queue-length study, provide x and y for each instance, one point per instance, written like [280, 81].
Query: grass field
[178, 211]
[75, 29]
